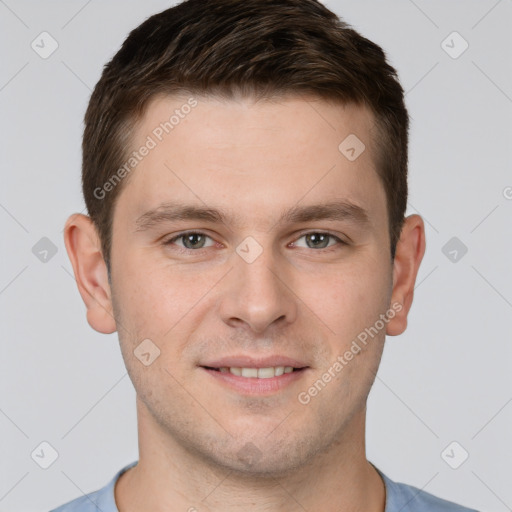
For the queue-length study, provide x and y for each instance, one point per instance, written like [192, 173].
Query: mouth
[268, 372]
[255, 376]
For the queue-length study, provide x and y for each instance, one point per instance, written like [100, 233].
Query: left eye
[318, 240]
[191, 240]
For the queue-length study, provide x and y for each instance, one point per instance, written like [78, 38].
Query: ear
[84, 250]
[409, 253]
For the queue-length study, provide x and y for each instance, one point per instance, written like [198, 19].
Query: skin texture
[254, 161]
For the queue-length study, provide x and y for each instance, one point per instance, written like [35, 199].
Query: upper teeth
[260, 373]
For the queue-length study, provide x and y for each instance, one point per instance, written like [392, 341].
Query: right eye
[191, 240]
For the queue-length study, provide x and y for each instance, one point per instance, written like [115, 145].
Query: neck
[169, 476]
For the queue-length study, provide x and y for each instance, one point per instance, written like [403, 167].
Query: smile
[257, 373]
[255, 381]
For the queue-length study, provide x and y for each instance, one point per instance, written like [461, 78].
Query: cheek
[156, 300]
[142, 303]
[151, 306]
[347, 301]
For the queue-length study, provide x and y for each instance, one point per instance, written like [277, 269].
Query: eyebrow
[171, 212]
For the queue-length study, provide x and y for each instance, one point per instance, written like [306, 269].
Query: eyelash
[170, 241]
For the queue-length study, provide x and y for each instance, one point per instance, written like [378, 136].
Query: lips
[251, 362]
[255, 380]
[257, 373]
[255, 368]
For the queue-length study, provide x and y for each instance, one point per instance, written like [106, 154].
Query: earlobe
[84, 251]
[409, 253]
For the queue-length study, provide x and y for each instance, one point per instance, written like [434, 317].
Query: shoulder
[87, 503]
[407, 498]
[102, 500]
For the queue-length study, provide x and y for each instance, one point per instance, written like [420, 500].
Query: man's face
[271, 280]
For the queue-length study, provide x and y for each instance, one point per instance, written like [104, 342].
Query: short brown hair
[259, 48]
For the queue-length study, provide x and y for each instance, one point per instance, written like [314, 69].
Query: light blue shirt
[399, 498]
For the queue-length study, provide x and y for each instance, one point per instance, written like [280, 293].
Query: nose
[258, 294]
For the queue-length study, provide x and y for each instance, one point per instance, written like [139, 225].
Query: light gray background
[446, 379]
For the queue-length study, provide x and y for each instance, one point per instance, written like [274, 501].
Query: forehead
[253, 156]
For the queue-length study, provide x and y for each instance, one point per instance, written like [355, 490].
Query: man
[245, 175]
